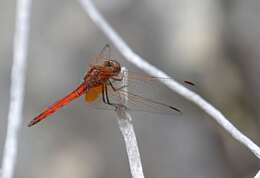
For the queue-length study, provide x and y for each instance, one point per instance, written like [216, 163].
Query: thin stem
[132, 57]
[17, 87]
[127, 130]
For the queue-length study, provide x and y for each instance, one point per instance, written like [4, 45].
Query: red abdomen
[81, 89]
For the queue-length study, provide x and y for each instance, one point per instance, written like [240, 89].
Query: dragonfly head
[113, 65]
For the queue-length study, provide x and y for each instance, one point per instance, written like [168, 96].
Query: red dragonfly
[100, 80]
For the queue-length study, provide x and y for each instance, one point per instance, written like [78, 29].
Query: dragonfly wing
[140, 103]
[93, 93]
[143, 104]
[104, 54]
[144, 78]
[136, 103]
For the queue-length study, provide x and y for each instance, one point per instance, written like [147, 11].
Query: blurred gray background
[214, 43]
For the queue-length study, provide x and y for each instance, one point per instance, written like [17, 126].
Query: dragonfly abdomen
[80, 90]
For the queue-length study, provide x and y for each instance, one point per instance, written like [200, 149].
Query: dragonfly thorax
[100, 74]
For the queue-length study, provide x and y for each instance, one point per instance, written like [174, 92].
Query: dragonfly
[100, 80]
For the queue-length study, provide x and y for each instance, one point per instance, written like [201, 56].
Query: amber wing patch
[92, 94]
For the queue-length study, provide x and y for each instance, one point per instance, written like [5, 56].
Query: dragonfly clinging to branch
[99, 81]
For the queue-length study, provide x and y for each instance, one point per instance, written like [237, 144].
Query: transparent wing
[139, 102]
[136, 102]
[104, 54]
[137, 77]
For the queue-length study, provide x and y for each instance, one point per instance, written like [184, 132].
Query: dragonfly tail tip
[33, 122]
[30, 124]
[189, 83]
[175, 109]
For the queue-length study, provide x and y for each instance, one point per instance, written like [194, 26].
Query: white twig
[118, 42]
[257, 175]
[127, 130]
[17, 87]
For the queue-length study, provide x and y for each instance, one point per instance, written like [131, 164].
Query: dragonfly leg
[114, 88]
[105, 96]
[119, 78]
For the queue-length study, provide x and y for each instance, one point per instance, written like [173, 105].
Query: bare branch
[132, 57]
[127, 130]
[17, 87]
